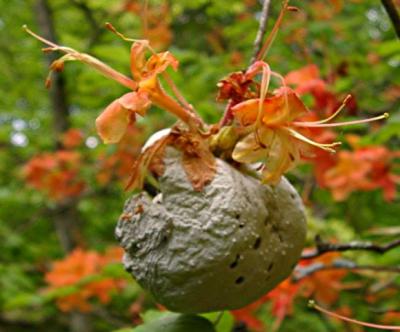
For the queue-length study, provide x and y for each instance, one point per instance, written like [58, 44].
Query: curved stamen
[334, 115]
[339, 124]
[145, 42]
[327, 147]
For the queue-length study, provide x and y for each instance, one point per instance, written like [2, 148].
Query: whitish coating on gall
[218, 249]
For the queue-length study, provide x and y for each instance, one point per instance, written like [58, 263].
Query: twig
[313, 305]
[393, 15]
[324, 247]
[341, 264]
[261, 30]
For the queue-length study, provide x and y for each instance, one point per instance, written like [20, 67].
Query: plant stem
[261, 30]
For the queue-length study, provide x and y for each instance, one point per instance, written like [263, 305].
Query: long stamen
[327, 147]
[280, 77]
[313, 305]
[341, 107]
[339, 124]
[145, 42]
[88, 59]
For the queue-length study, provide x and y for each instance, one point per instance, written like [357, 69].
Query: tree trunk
[65, 215]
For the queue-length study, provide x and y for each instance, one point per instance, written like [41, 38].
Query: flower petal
[158, 63]
[252, 149]
[281, 157]
[283, 107]
[137, 59]
[280, 109]
[137, 102]
[303, 75]
[112, 123]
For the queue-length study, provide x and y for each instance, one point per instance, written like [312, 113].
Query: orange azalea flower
[273, 141]
[308, 80]
[366, 169]
[273, 135]
[72, 138]
[324, 285]
[55, 174]
[74, 269]
[114, 121]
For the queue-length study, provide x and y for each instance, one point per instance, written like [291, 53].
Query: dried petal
[198, 161]
[143, 162]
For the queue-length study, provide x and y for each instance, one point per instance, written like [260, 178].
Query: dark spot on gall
[239, 280]
[235, 262]
[257, 243]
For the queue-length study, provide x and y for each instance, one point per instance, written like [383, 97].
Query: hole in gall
[235, 262]
[239, 280]
[257, 243]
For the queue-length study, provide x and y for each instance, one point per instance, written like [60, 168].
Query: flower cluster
[82, 269]
[274, 128]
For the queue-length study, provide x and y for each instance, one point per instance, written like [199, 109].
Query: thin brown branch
[340, 264]
[325, 247]
[261, 30]
[393, 14]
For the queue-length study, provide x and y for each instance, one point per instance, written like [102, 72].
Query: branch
[261, 30]
[393, 15]
[324, 247]
[342, 264]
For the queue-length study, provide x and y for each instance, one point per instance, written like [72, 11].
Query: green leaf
[388, 48]
[223, 323]
[175, 323]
